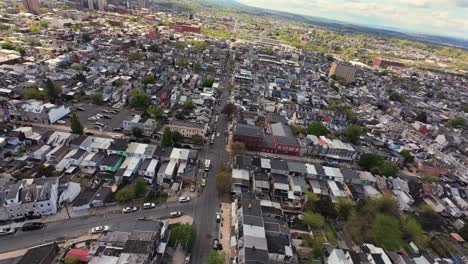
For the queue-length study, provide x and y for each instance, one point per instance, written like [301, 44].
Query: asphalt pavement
[75, 227]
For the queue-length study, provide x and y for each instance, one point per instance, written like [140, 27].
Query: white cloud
[444, 17]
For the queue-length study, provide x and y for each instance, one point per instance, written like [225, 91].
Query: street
[76, 227]
[209, 200]
[203, 209]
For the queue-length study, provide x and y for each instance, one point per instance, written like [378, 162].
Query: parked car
[80, 109]
[175, 214]
[203, 182]
[62, 122]
[215, 244]
[149, 205]
[100, 229]
[218, 217]
[184, 199]
[32, 226]
[7, 231]
[129, 209]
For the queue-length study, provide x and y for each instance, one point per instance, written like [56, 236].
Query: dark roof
[248, 130]
[243, 162]
[349, 174]
[276, 242]
[79, 154]
[111, 160]
[78, 140]
[261, 176]
[188, 124]
[277, 164]
[279, 178]
[85, 197]
[104, 193]
[119, 145]
[256, 256]
[40, 255]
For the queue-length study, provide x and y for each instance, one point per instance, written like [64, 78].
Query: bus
[207, 164]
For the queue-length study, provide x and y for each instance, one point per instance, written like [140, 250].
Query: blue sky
[439, 17]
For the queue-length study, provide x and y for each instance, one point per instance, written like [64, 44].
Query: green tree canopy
[414, 230]
[238, 148]
[155, 111]
[139, 99]
[456, 122]
[183, 234]
[75, 125]
[353, 134]
[344, 207]
[97, 99]
[34, 93]
[229, 109]
[188, 104]
[216, 257]
[317, 129]
[224, 180]
[137, 132]
[148, 79]
[167, 140]
[52, 90]
[407, 156]
[376, 164]
[207, 83]
[385, 231]
[313, 220]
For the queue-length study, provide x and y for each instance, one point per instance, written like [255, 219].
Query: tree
[197, 140]
[207, 83]
[216, 257]
[387, 168]
[97, 99]
[34, 93]
[139, 99]
[464, 232]
[414, 230]
[325, 207]
[125, 194]
[318, 245]
[137, 132]
[118, 83]
[314, 220]
[229, 109]
[188, 104]
[385, 232]
[456, 122]
[53, 91]
[311, 200]
[134, 56]
[395, 96]
[139, 187]
[369, 161]
[353, 134]
[75, 125]
[167, 140]
[183, 234]
[85, 37]
[421, 117]
[76, 66]
[148, 79]
[223, 181]
[238, 148]
[317, 129]
[155, 111]
[344, 207]
[407, 156]
[430, 219]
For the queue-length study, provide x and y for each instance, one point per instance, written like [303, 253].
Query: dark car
[32, 226]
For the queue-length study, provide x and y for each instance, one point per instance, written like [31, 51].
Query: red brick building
[377, 62]
[184, 27]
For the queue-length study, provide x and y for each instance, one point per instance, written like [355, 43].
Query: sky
[436, 17]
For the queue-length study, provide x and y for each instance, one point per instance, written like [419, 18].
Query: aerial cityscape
[233, 131]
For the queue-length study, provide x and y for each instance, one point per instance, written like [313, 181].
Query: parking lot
[108, 118]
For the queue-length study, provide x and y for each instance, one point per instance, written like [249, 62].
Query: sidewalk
[225, 229]
[63, 215]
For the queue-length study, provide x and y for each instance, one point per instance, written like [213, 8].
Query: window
[48, 204]
[42, 205]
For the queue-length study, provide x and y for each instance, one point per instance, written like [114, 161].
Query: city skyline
[446, 18]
